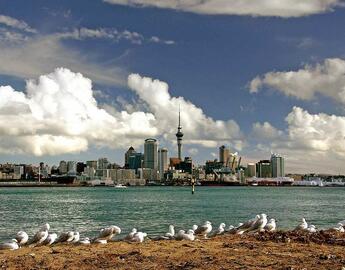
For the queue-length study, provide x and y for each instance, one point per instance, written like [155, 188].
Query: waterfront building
[179, 136]
[277, 166]
[251, 170]
[162, 162]
[18, 172]
[212, 165]
[91, 164]
[130, 152]
[150, 154]
[263, 169]
[63, 167]
[71, 167]
[102, 164]
[80, 167]
[224, 155]
[186, 165]
[135, 161]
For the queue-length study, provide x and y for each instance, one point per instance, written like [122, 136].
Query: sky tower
[179, 135]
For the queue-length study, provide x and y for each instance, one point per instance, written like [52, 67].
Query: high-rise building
[277, 165]
[162, 161]
[129, 153]
[150, 154]
[224, 155]
[263, 169]
[91, 164]
[102, 164]
[179, 135]
[251, 170]
[71, 167]
[63, 167]
[135, 161]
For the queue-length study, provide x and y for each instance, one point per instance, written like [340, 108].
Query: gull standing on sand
[22, 238]
[84, 241]
[109, 232]
[40, 236]
[204, 229]
[130, 235]
[219, 231]
[65, 237]
[139, 237]
[311, 229]
[171, 233]
[182, 235]
[76, 237]
[51, 238]
[247, 225]
[303, 226]
[271, 225]
[260, 224]
[10, 245]
[100, 241]
[339, 228]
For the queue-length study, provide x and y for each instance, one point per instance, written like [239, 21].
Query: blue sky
[208, 59]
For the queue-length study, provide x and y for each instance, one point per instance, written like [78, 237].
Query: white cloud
[58, 114]
[266, 131]
[327, 78]
[199, 128]
[311, 142]
[284, 8]
[14, 23]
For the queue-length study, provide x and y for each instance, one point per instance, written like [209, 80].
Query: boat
[120, 186]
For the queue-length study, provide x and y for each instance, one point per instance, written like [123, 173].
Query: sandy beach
[280, 250]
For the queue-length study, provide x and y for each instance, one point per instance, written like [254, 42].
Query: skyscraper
[129, 153]
[179, 135]
[150, 154]
[162, 161]
[277, 165]
[224, 155]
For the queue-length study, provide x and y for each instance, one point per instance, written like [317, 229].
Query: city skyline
[104, 76]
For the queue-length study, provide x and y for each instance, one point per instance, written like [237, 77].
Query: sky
[81, 80]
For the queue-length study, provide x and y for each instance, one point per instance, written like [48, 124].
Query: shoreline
[280, 250]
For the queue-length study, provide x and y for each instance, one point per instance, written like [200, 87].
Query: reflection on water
[152, 209]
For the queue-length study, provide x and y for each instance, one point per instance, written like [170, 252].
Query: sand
[281, 250]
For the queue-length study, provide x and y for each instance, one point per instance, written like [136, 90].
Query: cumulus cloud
[266, 131]
[199, 128]
[14, 23]
[311, 142]
[286, 8]
[327, 78]
[58, 114]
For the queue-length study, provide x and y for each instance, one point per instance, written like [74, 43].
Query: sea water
[152, 209]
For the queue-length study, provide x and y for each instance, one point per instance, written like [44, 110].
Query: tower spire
[179, 133]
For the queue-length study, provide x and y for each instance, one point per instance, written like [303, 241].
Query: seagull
[45, 227]
[271, 225]
[100, 241]
[311, 229]
[182, 235]
[84, 241]
[65, 237]
[342, 223]
[22, 238]
[194, 227]
[220, 230]
[138, 237]
[204, 229]
[303, 226]
[130, 235]
[39, 237]
[10, 245]
[109, 232]
[51, 238]
[171, 233]
[76, 237]
[260, 224]
[247, 225]
[340, 228]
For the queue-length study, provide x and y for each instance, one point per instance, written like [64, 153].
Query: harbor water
[152, 209]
